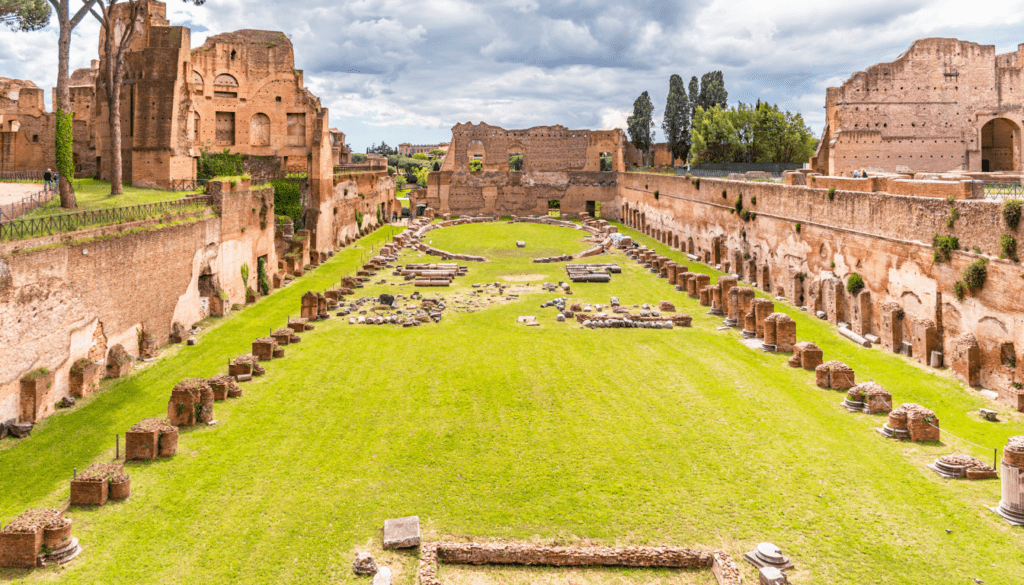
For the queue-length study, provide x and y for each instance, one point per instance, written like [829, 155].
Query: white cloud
[394, 67]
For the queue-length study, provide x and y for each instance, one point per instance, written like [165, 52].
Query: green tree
[676, 124]
[25, 15]
[714, 136]
[694, 97]
[641, 125]
[437, 166]
[712, 90]
[420, 156]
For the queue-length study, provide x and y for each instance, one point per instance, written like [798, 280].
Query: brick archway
[1000, 145]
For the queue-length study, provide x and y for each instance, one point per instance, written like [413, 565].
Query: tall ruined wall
[247, 96]
[66, 302]
[883, 238]
[334, 218]
[925, 112]
[519, 193]
[543, 148]
[26, 130]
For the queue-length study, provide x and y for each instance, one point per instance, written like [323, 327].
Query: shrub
[82, 364]
[753, 199]
[753, 216]
[833, 265]
[1009, 245]
[36, 374]
[797, 227]
[831, 193]
[745, 214]
[288, 200]
[725, 194]
[359, 219]
[944, 246]
[1011, 213]
[975, 273]
[959, 290]
[738, 204]
[218, 164]
[954, 214]
[854, 284]
[696, 182]
[656, 193]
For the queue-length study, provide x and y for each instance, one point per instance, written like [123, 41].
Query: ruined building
[944, 105]
[523, 170]
[239, 91]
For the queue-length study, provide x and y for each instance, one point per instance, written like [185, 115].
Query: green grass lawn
[95, 194]
[491, 430]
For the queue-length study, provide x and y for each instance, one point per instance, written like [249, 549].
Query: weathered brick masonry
[884, 238]
[67, 302]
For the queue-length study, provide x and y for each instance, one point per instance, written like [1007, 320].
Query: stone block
[1012, 396]
[891, 335]
[835, 375]
[924, 339]
[402, 532]
[89, 493]
[18, 550]
[84, 379]
[37, 396]
[726, 283]
[810, 355]
[860, 321]
[761, 308]
[141, 445]
[264, 348]
[966, 359]
[832, 291]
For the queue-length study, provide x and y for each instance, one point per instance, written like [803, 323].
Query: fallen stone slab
[402, 532]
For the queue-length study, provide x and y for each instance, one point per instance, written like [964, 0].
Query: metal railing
[1002, 190]
[21, 175]
[29, 204]
[75, 220]
[188, 184]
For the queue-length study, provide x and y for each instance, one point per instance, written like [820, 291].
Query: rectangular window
[515, 161]
[296, 129]
[606, 161]
[226, 128]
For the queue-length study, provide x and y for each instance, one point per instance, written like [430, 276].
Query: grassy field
[491, 430]
[95, 194]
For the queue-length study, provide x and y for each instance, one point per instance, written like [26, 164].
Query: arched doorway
[999, 150]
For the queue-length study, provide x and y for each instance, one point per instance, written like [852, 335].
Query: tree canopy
[641, 123]
[676, 123]
[757, 134]
[25, 15]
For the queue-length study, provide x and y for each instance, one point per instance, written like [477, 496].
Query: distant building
[406, 149]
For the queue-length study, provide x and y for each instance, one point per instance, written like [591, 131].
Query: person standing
[47, 180]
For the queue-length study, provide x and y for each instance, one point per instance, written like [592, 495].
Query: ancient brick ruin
[943, 105]
[558, 164]
[239, 91]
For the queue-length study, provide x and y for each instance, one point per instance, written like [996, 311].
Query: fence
[1002, 190]
[717, 173]
[188, 184]
[21, 175]
[27, 205]
[76, 220]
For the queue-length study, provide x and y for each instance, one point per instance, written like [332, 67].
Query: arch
[196, 124]
[1000, 145]
[259, 130]
[226, 80]
[196, 78]
[676, 246]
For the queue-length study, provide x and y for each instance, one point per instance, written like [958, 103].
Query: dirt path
[14, 192]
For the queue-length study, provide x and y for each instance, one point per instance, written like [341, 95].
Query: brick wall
[55, 303]
[884, 238]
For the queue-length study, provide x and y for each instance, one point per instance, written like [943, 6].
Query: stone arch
[197, 78]
[1000, 145]
[259, 130]
[226, 80]
[676, 245]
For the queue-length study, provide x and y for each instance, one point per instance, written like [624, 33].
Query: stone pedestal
[966, 359]
[37, 396]
[891, 335]
[761, 308]
[924, 339]
[1011, 504]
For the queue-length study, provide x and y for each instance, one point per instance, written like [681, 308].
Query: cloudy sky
[408, 70]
